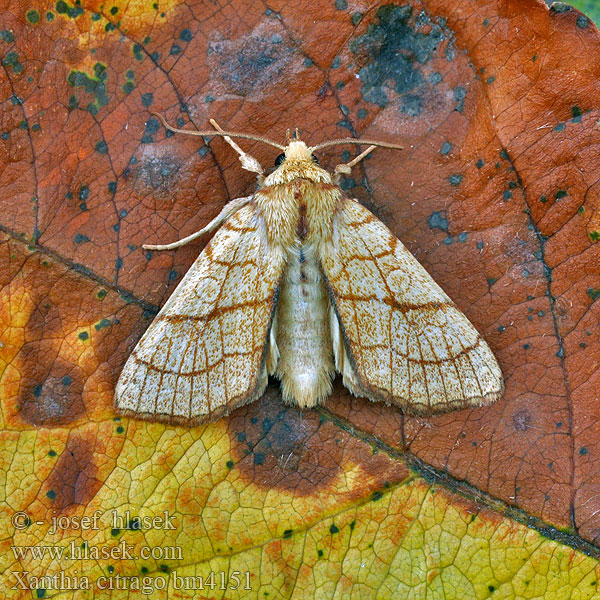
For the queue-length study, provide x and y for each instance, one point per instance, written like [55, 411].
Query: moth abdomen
[305, 365]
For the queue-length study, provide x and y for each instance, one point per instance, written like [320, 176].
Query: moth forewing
[204, 353]
[407, 342]
[301, 282]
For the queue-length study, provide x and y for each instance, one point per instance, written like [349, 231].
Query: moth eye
[279, 159]
[314, 159]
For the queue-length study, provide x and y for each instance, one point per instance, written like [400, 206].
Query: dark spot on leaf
[248, 64]
[522, 420]
[391, 54]
[81, 239]
[438, 220]
[147, 99]
[582, 21]
[460, 94]
[137, 52]
[356, 18]
[411, 105]
[288, 533]
[593, 293]
[157, 173]
[334, 529]
[7, 36]
[74, 476]
[583, 451]
[33, 16]
[347, 183]
[435, 78]
[101, 147]
[446, 148]
[102, 324]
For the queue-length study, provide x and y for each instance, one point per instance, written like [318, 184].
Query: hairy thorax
[298, 216]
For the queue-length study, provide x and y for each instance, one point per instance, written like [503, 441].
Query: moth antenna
[231, 134]
[344, 169]
[356, 141]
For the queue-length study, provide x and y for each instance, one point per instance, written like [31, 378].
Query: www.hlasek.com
[146, 584]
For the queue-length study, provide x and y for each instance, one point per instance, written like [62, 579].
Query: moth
[301, 282]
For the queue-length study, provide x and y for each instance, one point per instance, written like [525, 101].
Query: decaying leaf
[495, 194]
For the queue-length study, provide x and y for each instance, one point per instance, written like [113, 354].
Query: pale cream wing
[403, 340]
[204, 353]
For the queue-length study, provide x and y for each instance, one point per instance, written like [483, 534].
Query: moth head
[298, 150]
[297, 161]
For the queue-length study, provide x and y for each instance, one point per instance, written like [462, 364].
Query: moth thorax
[297, 150]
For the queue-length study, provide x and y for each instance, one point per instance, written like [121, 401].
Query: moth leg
[229, 209]
[249, 163]
[345, 168]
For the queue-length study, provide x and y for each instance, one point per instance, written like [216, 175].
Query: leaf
[495, 193]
